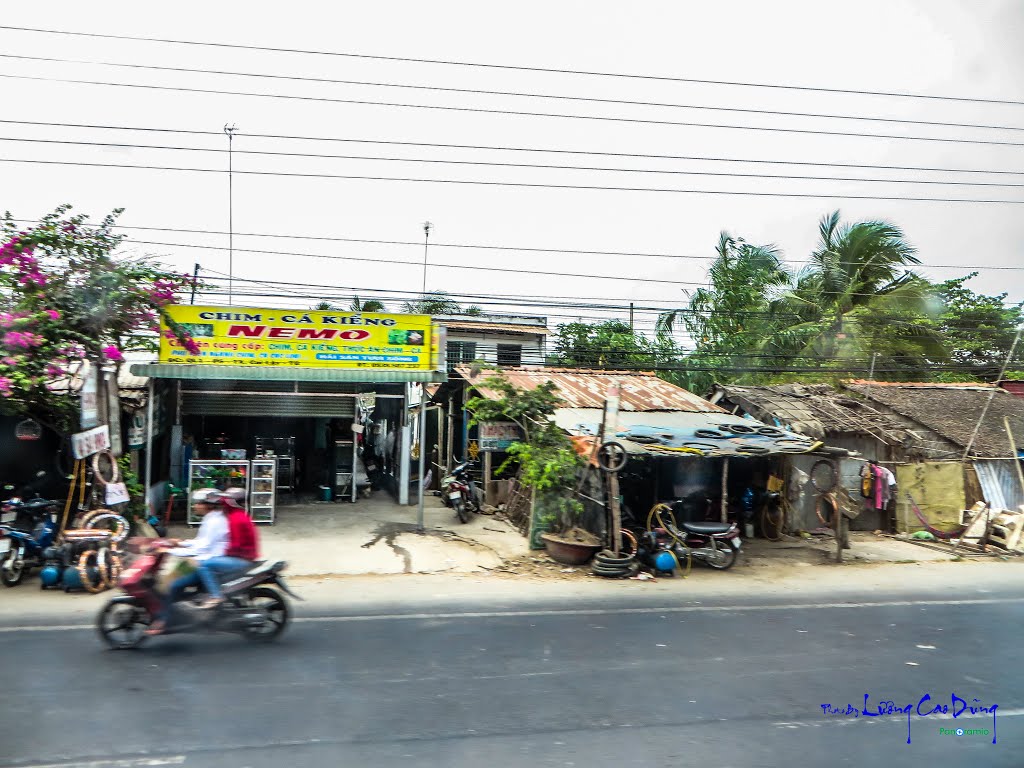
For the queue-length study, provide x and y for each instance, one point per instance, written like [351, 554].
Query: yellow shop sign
[286, 337]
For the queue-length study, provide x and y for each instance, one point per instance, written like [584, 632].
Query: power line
[493, 164]
[512, 112]
[522, 94]
[498, 148]
[520, 68]
[516, 248]
[529, 185]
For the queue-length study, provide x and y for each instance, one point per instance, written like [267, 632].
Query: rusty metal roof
[587, 389]
[531, 330]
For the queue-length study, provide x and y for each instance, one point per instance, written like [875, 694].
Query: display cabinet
[344, 469]
[220, 474]
[262, 490]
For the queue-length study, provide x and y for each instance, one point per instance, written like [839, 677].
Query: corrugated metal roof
[688, 434]
[588, 389]
[126, 379]
[532, 330]
[298, 373]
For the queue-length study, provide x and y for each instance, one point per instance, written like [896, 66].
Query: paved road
[732, 682]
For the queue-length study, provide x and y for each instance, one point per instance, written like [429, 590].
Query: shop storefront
[291, 405]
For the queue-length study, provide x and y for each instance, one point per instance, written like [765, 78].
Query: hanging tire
[275, 614]
[123, 625]
[12, 567]
[727, 561]
[824, 476]
[108, 463]
[460, 509]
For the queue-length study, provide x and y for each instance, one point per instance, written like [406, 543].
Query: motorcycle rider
[242, 548]
[210, 541]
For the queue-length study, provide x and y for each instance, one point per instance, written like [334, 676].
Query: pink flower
[53, 313]
[191, 346]
[112, 353]
[5, 386]
[53, 371]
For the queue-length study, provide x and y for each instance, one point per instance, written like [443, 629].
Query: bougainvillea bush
[65, 297]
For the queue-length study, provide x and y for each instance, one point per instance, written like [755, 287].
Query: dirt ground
[764, 559]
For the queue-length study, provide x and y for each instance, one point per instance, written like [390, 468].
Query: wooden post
[840, 524]
[1013, 452]
[725, 490]
[487, 478]
[613, 498]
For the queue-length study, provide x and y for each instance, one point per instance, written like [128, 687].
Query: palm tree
[433, 303]
[729, 316]
[854, 293]
[371, 305]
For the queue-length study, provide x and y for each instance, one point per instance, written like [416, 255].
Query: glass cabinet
[262, 490]
[219, 474]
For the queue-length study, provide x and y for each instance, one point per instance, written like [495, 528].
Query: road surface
[605, 681]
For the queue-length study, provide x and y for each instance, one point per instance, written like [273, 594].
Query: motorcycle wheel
[123, 625]
[460, 509]
[11, 573]
[275, 614]
[726, 561]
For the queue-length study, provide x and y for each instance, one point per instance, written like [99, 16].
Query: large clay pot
[569, 552]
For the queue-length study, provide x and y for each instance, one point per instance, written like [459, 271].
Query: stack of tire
[88, 557]
[611, 566]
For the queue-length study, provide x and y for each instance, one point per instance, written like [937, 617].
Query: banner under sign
[117, 493]
[286, 337]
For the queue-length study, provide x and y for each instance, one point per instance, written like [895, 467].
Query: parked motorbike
[460, 492]
[717, 545]
[253, 604]
[23, 542]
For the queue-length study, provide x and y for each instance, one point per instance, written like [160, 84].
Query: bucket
[325, 493]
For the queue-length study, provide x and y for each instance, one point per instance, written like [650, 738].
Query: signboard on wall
[137, 430]
[85, 444]
[292, 338]
[90, 399]
[498, 435]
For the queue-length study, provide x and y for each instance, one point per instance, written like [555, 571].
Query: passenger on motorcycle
[241, 550]
[211, 541]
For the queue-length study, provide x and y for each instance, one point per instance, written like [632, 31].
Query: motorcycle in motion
[460, 492]
[253, 606]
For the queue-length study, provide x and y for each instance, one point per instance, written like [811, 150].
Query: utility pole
[427, 226]
[195, 279]
[230, 131]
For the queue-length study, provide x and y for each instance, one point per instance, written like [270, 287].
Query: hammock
[933, 531]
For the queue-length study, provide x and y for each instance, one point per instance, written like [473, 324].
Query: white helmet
[233, 497]
[206, 496]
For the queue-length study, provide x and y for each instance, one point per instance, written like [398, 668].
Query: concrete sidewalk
[378, 536]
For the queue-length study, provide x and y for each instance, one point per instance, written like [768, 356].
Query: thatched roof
[816, 410]
[953, 410]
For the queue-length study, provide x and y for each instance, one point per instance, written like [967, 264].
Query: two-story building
[508, 341]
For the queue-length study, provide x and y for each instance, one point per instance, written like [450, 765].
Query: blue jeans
[210, 570]
[178, 587]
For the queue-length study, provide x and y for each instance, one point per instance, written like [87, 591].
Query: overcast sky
[941, 48]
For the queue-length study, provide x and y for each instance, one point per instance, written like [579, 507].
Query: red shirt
[243, 541]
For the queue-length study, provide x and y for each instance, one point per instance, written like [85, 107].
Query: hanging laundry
[888, 483]
[867, 480]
